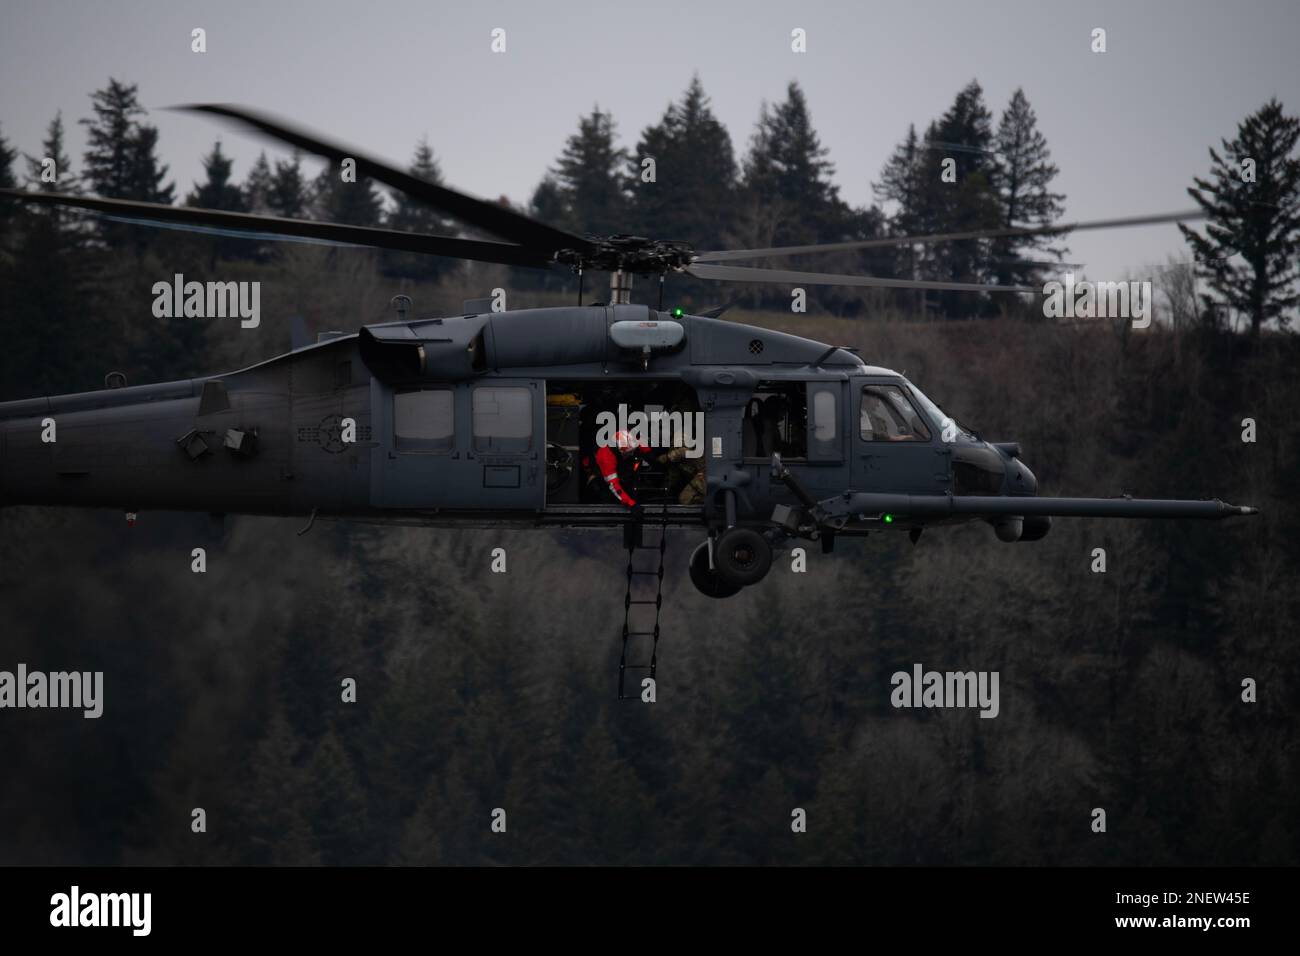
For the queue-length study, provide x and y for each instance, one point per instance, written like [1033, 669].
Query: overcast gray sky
[1128, 128]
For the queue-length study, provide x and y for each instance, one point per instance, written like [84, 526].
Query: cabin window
[887, 415]
[824, 416]
[503, 419]
[423, 420]
[776, 421]
[824, 441]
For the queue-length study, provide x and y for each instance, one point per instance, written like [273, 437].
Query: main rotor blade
[784, 277]
[724, 255]
[489, 216]
[273, 226]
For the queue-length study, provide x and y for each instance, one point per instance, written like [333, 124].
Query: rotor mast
[620, 287]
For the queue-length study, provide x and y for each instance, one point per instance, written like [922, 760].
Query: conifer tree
[1249, 252]
[900, 184]
[59, 177]
[787, 169]
[354, 203]
[217, 191]
[257, 187]
[8, 210]
[692, 195]
[288, 192]
[1022, 175]
[547, 203]
[412, 215]
[589, 178]
[957, 195]
[120, 157]
[121, 161]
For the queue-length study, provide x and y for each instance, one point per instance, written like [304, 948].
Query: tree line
[962, 172]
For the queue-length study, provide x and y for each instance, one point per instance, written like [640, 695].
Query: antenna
[402, 303]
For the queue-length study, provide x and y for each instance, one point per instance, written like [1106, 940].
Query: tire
[742, 557]
[705, 579]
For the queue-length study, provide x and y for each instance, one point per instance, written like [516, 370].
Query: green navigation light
[889, 519]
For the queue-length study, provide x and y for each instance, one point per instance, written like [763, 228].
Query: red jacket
[607, 464]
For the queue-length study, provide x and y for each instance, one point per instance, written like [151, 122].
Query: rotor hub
[635, 254]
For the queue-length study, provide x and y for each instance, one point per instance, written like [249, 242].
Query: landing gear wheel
[705, 579]
[742, 556]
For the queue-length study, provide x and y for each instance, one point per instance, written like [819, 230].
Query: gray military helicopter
[481, 419]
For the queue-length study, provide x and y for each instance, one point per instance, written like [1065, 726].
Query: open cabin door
[476, 446]
[806, 423]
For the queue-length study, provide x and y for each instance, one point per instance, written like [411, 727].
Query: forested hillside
[478, 690]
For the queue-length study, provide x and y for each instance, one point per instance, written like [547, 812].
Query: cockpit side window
[888, 415]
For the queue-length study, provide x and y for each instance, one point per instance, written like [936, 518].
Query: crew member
[617, 466]
[690, 470]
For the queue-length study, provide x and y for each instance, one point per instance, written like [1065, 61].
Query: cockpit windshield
[947, 424]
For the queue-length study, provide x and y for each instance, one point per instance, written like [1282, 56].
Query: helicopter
[481, 419]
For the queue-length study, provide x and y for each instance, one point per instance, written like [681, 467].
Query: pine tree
[10, 287]
[547, 203]
[354, 203]
[120, 159]
[59, 179]
[900, 184]
[412, 215]
[8, 210]
[787, 171]
[1256, 217]
[965, 132]
[589, 178]
[50, 259]
[257, 187]
[692, 196]
[7, 156]
[787, 197]
[287, 195]
[109, 157]
[963, 202]
[48, 255]
[217, 192]
[147, 174]
[1022, 174]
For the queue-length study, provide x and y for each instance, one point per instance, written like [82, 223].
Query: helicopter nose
[1020, 479]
